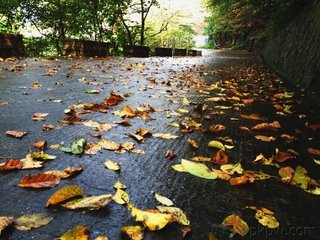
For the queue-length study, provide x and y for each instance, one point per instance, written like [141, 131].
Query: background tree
[11, 17]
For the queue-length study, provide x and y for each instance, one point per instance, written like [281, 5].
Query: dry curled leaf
[193, 142]
[177, 214]
[253, 116]
[40, 145]
[265, 138]
[220, 157]
[41, 180]
[16, 134]
[267, 126]
[113, 99]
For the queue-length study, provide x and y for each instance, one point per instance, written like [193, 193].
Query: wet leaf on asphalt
[178, 215]
[10, 165]
[216, 144]
[238, 225]
[121, 197]
[64, 194]
[163, 200]
[41, 180]
[29, 221]
[165, 135]
[134, 232]
[112, 165]
[16, 134]
[76, 233]
[5, 221]
[198, 169]
[77, 146]
[92, 203]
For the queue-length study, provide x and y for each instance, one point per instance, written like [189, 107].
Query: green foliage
[234, 22]
[39, 47]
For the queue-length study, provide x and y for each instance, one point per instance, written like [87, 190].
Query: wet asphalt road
[205, 202]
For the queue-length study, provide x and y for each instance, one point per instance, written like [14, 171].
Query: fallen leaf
[170, 154]
[300, 178]
[64, 194]
[193, 143]
[163, 200]
[178, 168]
[125, 123]
[93, 91]
[29, 163]
[314, 151]
[221, 175]
[39, 145]
[286, 174]
[198, 169]
[119, 185]
[201, 159]
[77, 233]
[265, 138]
[215, 128]
[16, 134]
[41, 180]
[77, 146]
[112, 165]
[29, 221]
[267, 220]
[109, 144]
[284, 156]
[151, 219]
[178, 215]
[101, 238]
[185, 230]
[12, 164]
[238, 180]
[216, 144]
[67, 172]
[267, 126]
[220, 157]
[125, 112]
[253, 116]
[42, 156]
[134, 232]
[232, 168]
[165, 135]
[5, 222]
[238, 224]
[113, 99]
[92, 203]
[121, 197]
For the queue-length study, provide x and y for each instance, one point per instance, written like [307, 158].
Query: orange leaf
[113, 100]
[39, 145]
[12, 164]
[185, 231]
[265, 138]
[41, 180]
[17, 134]
[247, 101]
[314, 151]
[253, 116]
[220, 157]
[286, 174]
[238, 180]
[267, 126]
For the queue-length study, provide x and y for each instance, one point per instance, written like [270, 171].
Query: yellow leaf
[216, 144]
[121, 197]
[231, 169]
[29, 221]
[177, 214]
[134, 232]
[193, 143]
[119, 185]
[64, 193]
[181, 110]
[125, 112]
[178, 168]
[77, 233]
[109, 145]
[112, 165]
[101, 238]
[93, 202]
[152, 220]
[163, 200]
[185, 101]
[29, 163]
[4, 222]
[266, 220]
[165, 135]
[198, 169]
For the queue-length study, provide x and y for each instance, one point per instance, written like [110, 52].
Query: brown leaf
[215, 128]
[267, 126]
[201, 159]
[284, 156]
[265, 138]
[113, 100]
[41, 180]
[125, 123]
[247, 101]
[238, 180]
[17, 134]
[314, 127]
[12, 164]
[193, 143]
[244, 128]
[48, 127]
[39, 145]
[221, 175]
[170, 154]
[220, 157]
[185, 230]
[314, 151]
